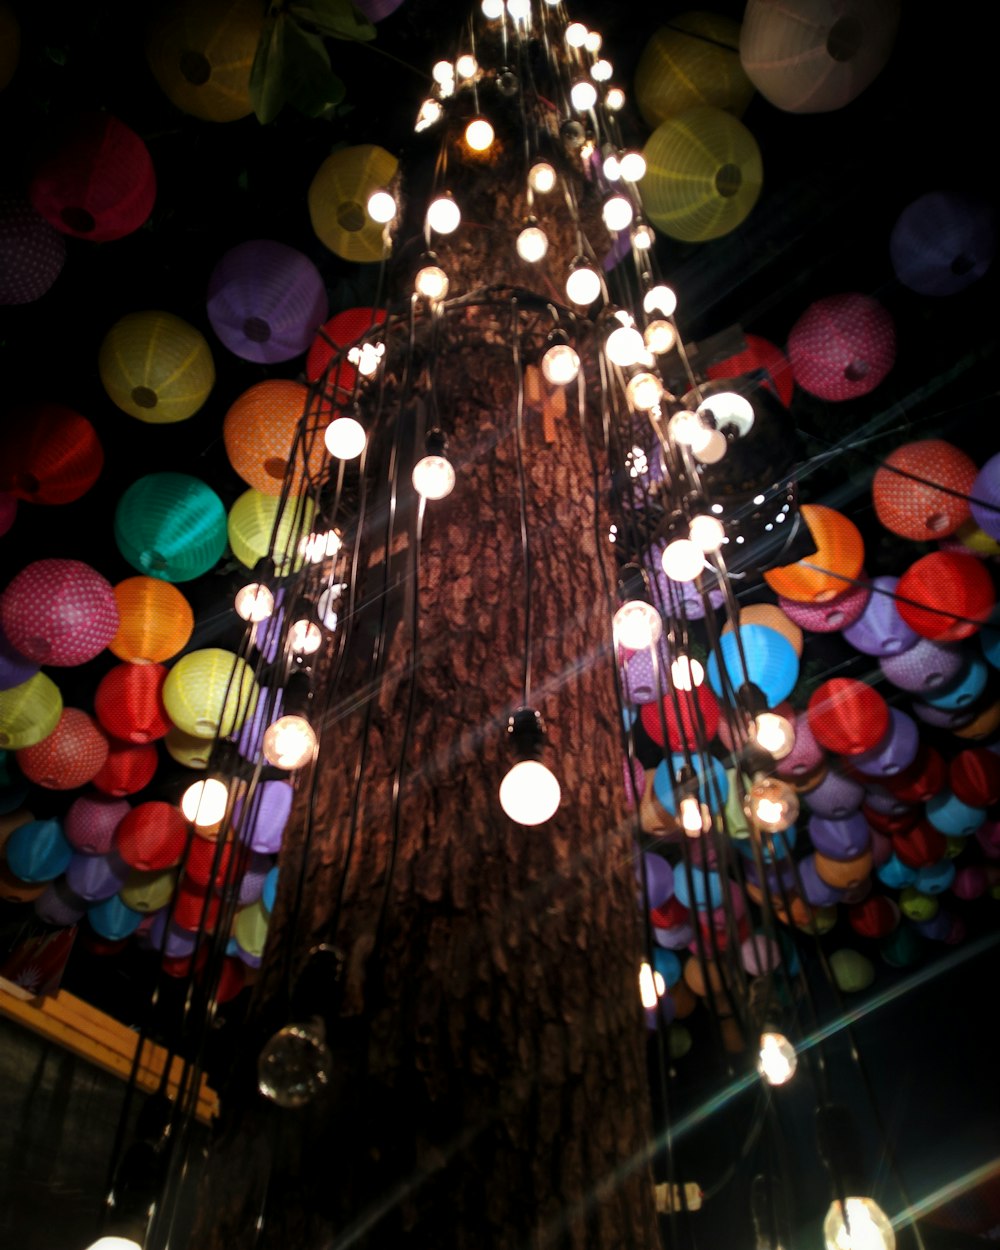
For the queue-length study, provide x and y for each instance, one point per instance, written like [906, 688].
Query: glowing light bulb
[204, 803]
[728, 408]
[479, 134]
[254, 602]
[114, 1243]
[443, 215]
[625, 346]
[583, 286]
[601, 70]
[532, 244]
[637, 625]
[593, 41]
[520, 10]
[617, 212]
[689, 430]
[660, 337]
[644, 390]
[707, 532]
[776, 1060]
[492, 9]
[541, 177]
[328, 603]
[315, 548]
[530, 793]
[431, 282]
[772, 804]
[367, 358]
[775, 734]
[682, 560]
[295, 1066]
[651, 986]
[289, 743]
[576, 34]
[345, 438]
[583, 95]
[686, 674]
[304, 638]
[660, 299]
[443, 72]
[433, 477]
[430, 111]
[560, 364]
[692, 817]
[612, 170]
[711, 449]
[466, 65]
[615, 99]
[633, 166]
[381, 206]
[870, 1228]
[643, 237]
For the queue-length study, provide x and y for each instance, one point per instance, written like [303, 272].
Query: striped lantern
[49, 454]
[29, 712]
[201, 53]
[155, 621]
[255, 519]
[694, 60]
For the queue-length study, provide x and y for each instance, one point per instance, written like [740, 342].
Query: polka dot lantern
[943, 242]
[201, 53]
[29, 712]
[32, 252]
[156, 367]
[695, 60]
[98, 182]
[906, 494]
[59, 612]
[924, 667]
[761, 360]
[880, 630]
[266, 301]
[69, 757]
[91, 822]
[847, 716]
[171, 526]
[985, 501]
[703, 175]
[49, 454]
[815, 56]
[842, 346]
[974, 777]
[255, 519]
[338, 198]
[152, 836]
[945, 596]
[833, 614]
[771, 663]
[128, 702]
[155, 621]
[127, 770]
[209, 693]
[836, 563]
[260, 430]
[38, 851]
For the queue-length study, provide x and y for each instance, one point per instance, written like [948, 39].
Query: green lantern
[171, 526]
[256, 518]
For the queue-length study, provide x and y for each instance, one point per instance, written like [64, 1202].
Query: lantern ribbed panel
[155, 621]
[59, 612]
[338, 198]
[152, 836]
[839, 556]
[127, 770]
[695, 60]
[201, 53]
[974, 776]
[759, 358]
[171, 526]
[945, 596]
[259, 433]
[908, 501]
[32, 252]
[252, 520]
[72, 754]
[210, 693]
[842, 346]
[880, 630]
[703, 175]
[49, 454]
[29, 712]
[943, 242]
[128, 702]
[156, 367]
[147, 892]
[814, 56]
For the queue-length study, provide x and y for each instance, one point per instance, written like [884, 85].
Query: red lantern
[974, 777]
[876, 917]
[59, 612]
[129, 702]
[906, 495]
[670, 916]
[697, 722]
[889, 823]
[922, 779]
[201, 865]
[49, 454]
[842, 346]
[127, 770]
[920, 846]
[232, 979]
[761, 359]
[70, 756]
[945, 596]
[339, 333]
[195, 907]
[152, 836]
[847, 716]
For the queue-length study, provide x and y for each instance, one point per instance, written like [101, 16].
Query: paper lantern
[91, 822]
[945, 596]
[98, 183]
[31, 251]
[981, 724]
[923, 667]
[250, 928]
[49, 454]
[147, 892]
[201, 53]
[974, 777]
[895, 752]
[155, 621]
[836, 796]
[832, 614]
[127, 770]
[848, 716]
[842, 346]
[921, 845]
[338, 198]
[128, 702]
[695, 60]
[876, 917]
[880, 630]
[845, 838]
[805, 756]
[964, 689]
[266, 300]
[852, 875]
[342, 331]
[377, 10]
[949, 815]
[152, 836]
[985, 502]
[814, 56]
[771, 663]
[156, 367]
[761, 360]
[96, 877]
[70, 756]
[208, 862]
[703, 175]
[692, 721]
[923, 776]
[38, 851]
[815, 891]
[255, 518]
[186, 749]
[209, 693]
[29, 712]
[15, 669]
[771, 616]
[59, 906]
[173, 941]
[264, 824]
[14, 890]
[195, 907]
[943, 242]
[260, 430]
[171, 526]
[59, 612]
[906, 495]
[112, 919]
[838, 559]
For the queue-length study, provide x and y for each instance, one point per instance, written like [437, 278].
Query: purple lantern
[896, 751]
[880, 630]
[268, 815]
[924, 666]
[815, 889]
[58, 905]
[635, 782]
[836, 796]
[266, 301]
[252, 881]
[175, 943]
[15, 668]
[942, 717]
[828, 617]
[659, 879]
[639, 681]
[879, 799]
[250, 739]
[31, 251]
[985, 502]
[840, 839]
[376, 10]
[97, 877]
[804, 756]
[92, 820]
[942, 242]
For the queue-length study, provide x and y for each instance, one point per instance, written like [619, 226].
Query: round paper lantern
[128, 702]
[913, 489]
[338, 198]
[923, 667]
[829, 572]
[641, 681]
[59, 612]
[266, 300]
[49, 454]
[815, 891]
[693, 719]
[377, 10]
[964, 689]
[38, 851]
[147, 892]
[334, 339]
[935, 878]
[876, 917]
[91, 823]
[771, 663]
[69, 757]
[771, 616]
[657, 877]
[880, 630]
[112, 919]
[852, 972]
[155, 621]
[836, 796]
[895, 752]
[985, 502]
[981, 725]
[949, 815]
[250, 928]
[814, 56]
[255, 518]
[31, 251]
[59, 905]
[127, 770]
[695, 60]
[806, 755]
[831, 615]
[919, 846]
[208, 861]
[895, 874]
[945, 596]
[849, 875]
[14, 890]
[713, 784]
[942, 242]
[171, 526]
[848, 716]
[924, 776]
[15, 669]
[195, 907]
[29, 712]
[260, 429]
[152, 836]
[201, 53]
[264, 824]
[209, 693]
[970, 882]
[156, 367]
[842, 346]
[974, 777]
[845, 838]
[175, 942]
[760, 360]
[703, 174]
[98, 183]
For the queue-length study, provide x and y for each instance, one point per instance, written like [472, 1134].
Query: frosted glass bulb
[643, 237]
[519, 9]
[728, 408]
[612, 170]
[644, 390]
[289, 743]
[637, 625]
[660, 299]
[560, 364]
[686, 674]
[625, 346]
[774, 733]
[433, 477]
[529, 793]
[651, 986]
[633, 165]
[204, 803]
[532, 244]
[707, 532]
[479, 134]
[114, 1243]
[601, 70]
[443, 72]
[583, 286]
[295, 1066]
[777, 1060]
[541, 177]
[381, 206]
[254, 602]
[593, 41]
[304, 638]
[430, 112]
[692, 820]
[617, 213]
[660, 337]
[682, 560]
[583, 95]
[443, 215]
[576, 34]
[431, 282]
[688, 430]
[345, 438]
[466, 65]
[492, 9]
[615, 99]
[772, 804]
[711, 449]
[315, 548]
[870, 1227]
[328, 603]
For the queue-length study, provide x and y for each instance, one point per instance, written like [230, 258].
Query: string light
[433, 475]
[660, 299]
[204, 803]
[304, 638]
[776, 1058]
[431, 282]
[560, 364]
[728, 408]
[774, 734]
[686, 673]
[345, 438]
[857, 1224]
[633, 166]
[583, 285]
[576, 35]
[643, 237]
[625, 346]
[381, 207]
[682, 560]
[492, 9]
[583, 95]
[617, 213]
[615, 99]
[644, 390]
[443, 214]
[529, 792]
[532, 243]
[611, 169]
[707, 532]
[520, 10]
[289, 743]
[479, 135]
[541, 177]
[254, 602]
[466, 66]
[660, 337]
[429, 113]
[315, 548]
[443, 72]
[652, 986]
[593, 41]
[637, 625]
[601, 70]
[772, 804]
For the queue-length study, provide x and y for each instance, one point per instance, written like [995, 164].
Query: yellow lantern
[186, 749]
[250, 928]
[695, 60]
[148, 891]
[252, 521]
[209, 693]
[338, 198]
[155, 621]
[201, 53]
[156, 367]
[29, 712]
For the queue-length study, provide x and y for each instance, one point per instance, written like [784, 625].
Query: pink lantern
[31, 252]
[59, 612]
[829, 616]
[91, 823]
[70, 756]
[842, 346]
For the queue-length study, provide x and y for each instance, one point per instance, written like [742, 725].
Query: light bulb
[520, 10]
[367, 358]
[529, 793]
[870, 1227]
[254, 602]
[204, 803]
[612, 170]
[304, 638]
[466, 65]
[682, 560]
[660, 299]
[381, 206]
[644, 390]
[479, 135]
[637, 625]
[560, 364]
[430, 112]
[431, 282]
[443, 72]
[692, 817]
[295, 1066]
[772, 804]
[615, 99]
[345, 438]
[643, 237]
[617, 212]
[711, 449]
[327, 604]
[707, 532]
[651, 986]
[583, 95]
[686, 674]
[289, 742]
[541, 177]
[315, 548]
[728, 408]
[633, 165]
[775, 734]
[776, 1060]
[433, 477]
[601, 70]
[625, 346]
[492, 9]
[114, 1243]
[576, 34]
[689, 430]
[593, 41]
[660, 337]
[532, 244]
[443, 215]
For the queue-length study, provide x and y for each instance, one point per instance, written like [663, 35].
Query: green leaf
[309, 82]
[267, 72]
[337, 18]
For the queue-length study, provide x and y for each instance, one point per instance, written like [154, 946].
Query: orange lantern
[155, 621]
[921, 489]
[840, 553]
[260, 430]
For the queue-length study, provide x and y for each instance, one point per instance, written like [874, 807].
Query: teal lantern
[171, 526]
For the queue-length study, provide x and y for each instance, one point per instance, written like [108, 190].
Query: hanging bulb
[520, 10]
[541, 177]
[615, 99]
[728, 408]
[289, 742]
[712, 449]
[644, 390]
[381, 207]
[776, 1060]
[659, 337]
[304, 638]
[772, 804]
[532, 242]
[492, 9]
[443, 214]
[686, 674]
[611, 169]
[434, 475]
[652, 986]
[643, 237]
[625, 346]
[682, 560]
[327, 604]
[576, 35]
[479, 135]
[431, 282]
[583, 95]
[315, 548]
[707, 532]
[660, 299]
[601, 70]
[689, 430]
[529, 793]
[429, 113]
[296, 1065]
[593, 41]
[204, 803]
[466, 65]
[443, 72]
[254, 602]
[115, 1243]
[367, 358]
[693, 816]
[774, 734]
[637, 625]
[345, 438]
[870, 1228]
[560, 364]
[633, 166]
[617, 213]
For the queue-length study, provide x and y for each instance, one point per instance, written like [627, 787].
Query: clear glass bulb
[625, 346]
[728, 408]
[466, 65]
[290, 742]
[520, 10]
[686, 674]
[772, 804]
[367, 358]
[576, 34]
[304, 638]
[492, 9]
[254, 602]
[296, 1065]
[204, 803]
[479, 134]
[633, 165]
[381, 207]
[774, 733]
[433, 477]
[431, 282]
[560, 364]
[529, 793]
[682, 560]
[617, 213]
[644, 390]
[651, 986]
[707, 532]
[593, 41]
[660, 337]
[541, 177]
[776, 1058]
[689, 430]
[643, 237]
[615, 99]
[532, 244]
[315, 548]
[601, 70]
[660, 299]
[711, 449]
[345, 438]
[637, 625]
[444, 215]
[583, 95]
[430, 112]
[612, 170]
[443, 72]
[870, 1227]
[692, 819]
[328, 603]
